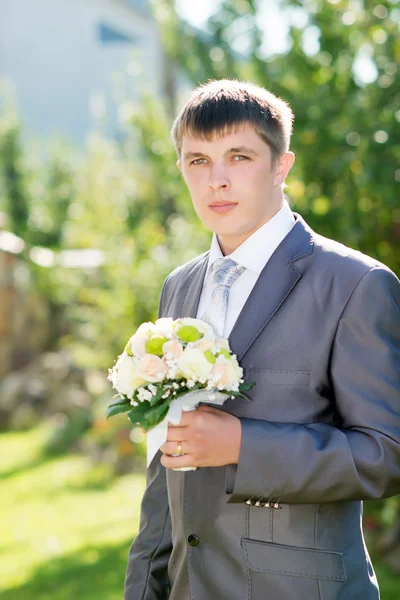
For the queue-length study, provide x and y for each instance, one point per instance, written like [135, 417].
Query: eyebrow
[237, 149]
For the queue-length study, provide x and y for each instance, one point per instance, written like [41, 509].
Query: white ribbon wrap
[157, 436]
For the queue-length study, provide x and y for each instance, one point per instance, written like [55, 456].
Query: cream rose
[200, 325]
[147, 329]
[164, 327]
[125, 377]
[193, 364]
[137, 344]
[152, 368]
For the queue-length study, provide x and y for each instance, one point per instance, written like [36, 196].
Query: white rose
[164, 327]
[147, 329]
[193, 364]
[137, 344]
[125, 377]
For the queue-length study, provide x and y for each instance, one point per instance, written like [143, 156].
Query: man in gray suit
[274, 509]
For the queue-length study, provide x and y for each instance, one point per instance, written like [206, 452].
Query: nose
[218, 180]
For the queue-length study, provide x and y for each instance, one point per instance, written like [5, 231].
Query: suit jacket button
[193, 540]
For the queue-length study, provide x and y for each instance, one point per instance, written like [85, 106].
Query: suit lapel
[276, 281]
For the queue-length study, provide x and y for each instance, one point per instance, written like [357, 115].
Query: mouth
[223, 208]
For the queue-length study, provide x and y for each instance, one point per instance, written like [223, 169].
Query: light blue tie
[226, 272]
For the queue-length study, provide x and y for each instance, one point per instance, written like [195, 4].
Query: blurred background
[94, 215]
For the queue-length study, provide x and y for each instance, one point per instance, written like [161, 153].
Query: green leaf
[158, 397]
[246, 386]
[246, 397]
[147, 416]
[155, 415]
[123, 400]
[116, 409]
[137, 413]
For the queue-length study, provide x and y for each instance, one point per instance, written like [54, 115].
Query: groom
[274, 511]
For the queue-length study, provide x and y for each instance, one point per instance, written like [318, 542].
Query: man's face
[237, 169]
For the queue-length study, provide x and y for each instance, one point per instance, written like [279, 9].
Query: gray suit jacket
[320, 334]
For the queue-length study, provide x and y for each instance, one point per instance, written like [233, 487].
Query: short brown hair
[216, 107]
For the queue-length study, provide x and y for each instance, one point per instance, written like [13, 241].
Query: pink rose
[226, 370]
[173, 347]
[152, 368]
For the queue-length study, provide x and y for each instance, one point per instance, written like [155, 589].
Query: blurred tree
[12, 183]
[35, 184]
[344, 94]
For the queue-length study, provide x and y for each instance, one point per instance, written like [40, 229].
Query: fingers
[175, 462]
[172, 447]
[177, 434]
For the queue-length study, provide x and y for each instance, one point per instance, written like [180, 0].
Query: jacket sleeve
[146, 575]
[360, 459]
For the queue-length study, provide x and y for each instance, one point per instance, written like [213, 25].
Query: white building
[73, 61]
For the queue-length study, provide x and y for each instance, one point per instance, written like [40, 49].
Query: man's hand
[210, 438]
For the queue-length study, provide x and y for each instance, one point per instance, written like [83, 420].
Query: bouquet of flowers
[171, 366]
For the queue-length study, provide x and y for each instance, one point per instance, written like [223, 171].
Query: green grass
[66, 525]
[389, 583]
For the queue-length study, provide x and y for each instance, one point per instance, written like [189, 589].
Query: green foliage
[36, 184]
[118, 407]
[149, 417]
[345, 134]
[12, 179]
[63, 438]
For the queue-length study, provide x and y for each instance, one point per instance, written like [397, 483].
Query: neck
[229, 243]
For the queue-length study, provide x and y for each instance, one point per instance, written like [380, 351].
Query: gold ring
[179, 449]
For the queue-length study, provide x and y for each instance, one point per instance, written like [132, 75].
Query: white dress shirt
[253, 254]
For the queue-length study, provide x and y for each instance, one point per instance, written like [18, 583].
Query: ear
[283, 166]
[178, 164]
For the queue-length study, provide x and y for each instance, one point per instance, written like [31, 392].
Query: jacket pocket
[278, 377]
[267, 557]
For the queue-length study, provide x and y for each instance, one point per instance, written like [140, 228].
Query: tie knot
[226, 271]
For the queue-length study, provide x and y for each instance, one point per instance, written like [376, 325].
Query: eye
[196, 161]
[240, 156]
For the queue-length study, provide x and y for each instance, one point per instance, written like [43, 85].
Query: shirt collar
[255, 252]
